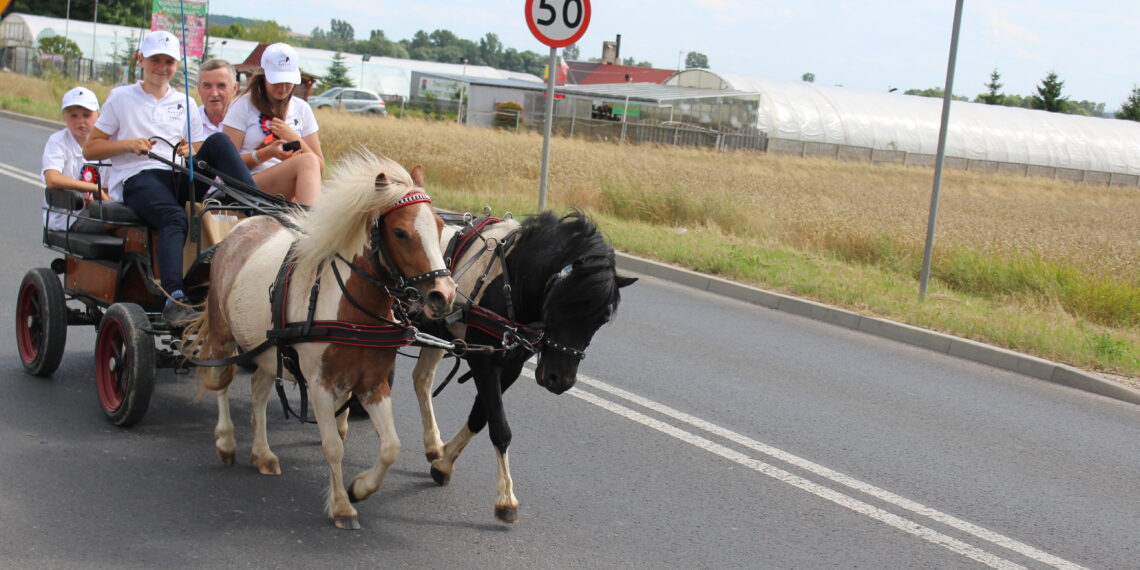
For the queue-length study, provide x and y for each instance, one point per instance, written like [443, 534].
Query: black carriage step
[87, 246]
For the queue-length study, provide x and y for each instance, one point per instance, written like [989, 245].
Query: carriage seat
[89, 245]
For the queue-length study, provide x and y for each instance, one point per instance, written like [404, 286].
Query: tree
[936, 92]
[634, 63]
[808, 77]
[337, 75]
[696, 60]
[993, 95]
[1049, 97]
[59, 45]
[1130, 108]
[571, 52]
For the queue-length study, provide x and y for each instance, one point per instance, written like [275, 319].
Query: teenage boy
[63, 164]
[134, 119]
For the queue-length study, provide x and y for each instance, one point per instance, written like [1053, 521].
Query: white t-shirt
[131, 113]
[63, 153]
[244, 117]
[208, 128]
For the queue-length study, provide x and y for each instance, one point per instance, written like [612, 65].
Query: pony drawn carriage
[540, 287]
[109, 281]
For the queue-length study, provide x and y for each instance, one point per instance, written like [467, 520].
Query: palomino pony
[373, 226]
[554, 276]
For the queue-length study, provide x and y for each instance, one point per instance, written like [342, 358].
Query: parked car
[350, 100]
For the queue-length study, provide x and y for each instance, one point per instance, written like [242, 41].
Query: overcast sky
[869, 44]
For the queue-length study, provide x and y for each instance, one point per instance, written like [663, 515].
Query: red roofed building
[595, 73]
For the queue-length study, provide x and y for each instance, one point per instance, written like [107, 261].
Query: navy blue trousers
[154, 195]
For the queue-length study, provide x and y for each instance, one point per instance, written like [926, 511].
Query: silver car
[350, 100]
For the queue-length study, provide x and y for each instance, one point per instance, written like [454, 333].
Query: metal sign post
[939, 158]
[556, 24]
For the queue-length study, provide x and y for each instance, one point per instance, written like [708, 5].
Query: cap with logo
[160, 42]
[280, 64]
[82, 97]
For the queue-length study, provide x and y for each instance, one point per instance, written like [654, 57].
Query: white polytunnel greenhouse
[386, 75]
[803, 111]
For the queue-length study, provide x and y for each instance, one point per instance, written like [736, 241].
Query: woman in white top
[265, 118]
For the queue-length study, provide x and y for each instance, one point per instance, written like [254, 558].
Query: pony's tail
[198, 342]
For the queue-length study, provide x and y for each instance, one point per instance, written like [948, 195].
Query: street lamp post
[363, 59]
[625, 109]
[223, 50]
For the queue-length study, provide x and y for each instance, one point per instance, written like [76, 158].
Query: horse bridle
[403, 287]
[551, 283]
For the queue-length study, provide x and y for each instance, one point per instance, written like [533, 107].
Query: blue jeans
[155, 196]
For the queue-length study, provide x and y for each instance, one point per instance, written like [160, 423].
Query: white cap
[160, 42]
[280, 64]
[82, 97]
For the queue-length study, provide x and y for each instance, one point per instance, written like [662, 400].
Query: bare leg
[297, 178]
[424, 376]
[261, 456]
[369, 481]
[324, 409]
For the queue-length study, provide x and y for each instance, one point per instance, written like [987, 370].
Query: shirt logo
[175, 112]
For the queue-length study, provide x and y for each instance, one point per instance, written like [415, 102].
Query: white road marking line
[881, 494]
[21, 175]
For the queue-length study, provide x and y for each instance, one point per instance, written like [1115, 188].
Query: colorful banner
[167, 15]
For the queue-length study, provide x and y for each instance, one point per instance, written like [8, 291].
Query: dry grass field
[1036, 265]
[1039, 265]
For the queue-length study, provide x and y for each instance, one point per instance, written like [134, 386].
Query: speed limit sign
[558, 23]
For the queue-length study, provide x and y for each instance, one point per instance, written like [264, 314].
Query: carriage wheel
[41, 322]
[124, 364]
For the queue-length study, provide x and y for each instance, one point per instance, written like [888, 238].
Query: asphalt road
[703, 433]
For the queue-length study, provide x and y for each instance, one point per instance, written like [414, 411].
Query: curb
[1004, 359]
[30, 119]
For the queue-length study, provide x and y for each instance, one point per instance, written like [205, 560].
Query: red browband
[412, 198]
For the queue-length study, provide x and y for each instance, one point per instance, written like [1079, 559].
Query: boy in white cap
[135, 118]
[266, 117]
[63, 164]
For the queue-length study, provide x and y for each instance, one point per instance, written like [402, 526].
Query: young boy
[63, 164]
[134, 120]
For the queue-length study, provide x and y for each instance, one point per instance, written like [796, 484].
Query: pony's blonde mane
[339, 223]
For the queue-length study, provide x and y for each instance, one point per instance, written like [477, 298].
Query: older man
[217, 87]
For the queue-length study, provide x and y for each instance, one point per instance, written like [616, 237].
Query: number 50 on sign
[558, 23]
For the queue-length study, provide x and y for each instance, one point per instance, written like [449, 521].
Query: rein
[390, 334]
[510, 334]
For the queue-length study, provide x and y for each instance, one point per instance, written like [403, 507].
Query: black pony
[541, 287]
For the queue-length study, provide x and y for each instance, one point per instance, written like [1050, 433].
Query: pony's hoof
[271, 467]
[509, 515]
[347, 522]
[352, 496]
[439, 476]
[227, 457]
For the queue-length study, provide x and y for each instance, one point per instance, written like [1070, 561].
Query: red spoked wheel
[41, 322]
[124, 364]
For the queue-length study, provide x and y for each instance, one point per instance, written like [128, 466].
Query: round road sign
[558, 23]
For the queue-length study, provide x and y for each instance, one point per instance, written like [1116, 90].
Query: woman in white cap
[63, 164]
[134, 118]
[266, 117]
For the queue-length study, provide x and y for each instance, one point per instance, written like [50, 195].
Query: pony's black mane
[551, 244]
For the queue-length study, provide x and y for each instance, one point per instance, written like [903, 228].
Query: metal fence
[880, 156]
[30, 62]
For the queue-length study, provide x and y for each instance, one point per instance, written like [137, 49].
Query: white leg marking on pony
[261, 456]
[442, 468]
[369, 481]
[423, 377]
[224, 440]
[506, 505]
[324, 409]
